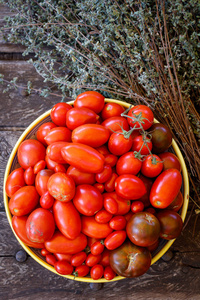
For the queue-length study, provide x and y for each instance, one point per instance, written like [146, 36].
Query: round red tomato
[171, 224]
[130, 260]
[111, 109]
[88, 200]
[30, 152]
[141, 146]
[119, 143]
[161, 137]
[92, 228]
[58, 113]
[43, 130]
[93, 135]
[83, 157]
[80, 177]
[78, 116]
[128, 164]
[41, 180]
[14, 181]
[40, 225]
[67, 219]
[90, 99]
[61, 187]
[137, 206]
[152, 166]
[129, 186]
[165, 188]
[170, 161]
[140, 116]
[143, 229]
[23, 201]
[104, 175]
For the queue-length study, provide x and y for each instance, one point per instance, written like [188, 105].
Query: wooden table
[177, 278]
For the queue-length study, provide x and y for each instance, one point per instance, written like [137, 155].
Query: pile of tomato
[97, 188]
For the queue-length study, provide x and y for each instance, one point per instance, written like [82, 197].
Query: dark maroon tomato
[176, 203]
[143, 229]
[165, 188]
[80, 177]
[115, 239]
[90, 99]
[41, 181]
[143, 113]
[88, 200]
[129, 186]
[30, 152]
[96, 272]
[152, 166]
[170, 161]
[14, 181]
[111, 109]
[43, 130]
[63, 267]
[130, 260]
[105, 175]
[171, 224]
[58, 113]
[161, 137]
[128, 164]
[116, 123]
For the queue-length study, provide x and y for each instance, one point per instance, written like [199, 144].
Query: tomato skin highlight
[129, 187]
[61, 244]
[23, 201]
[15, 181]
[78, 116]
[161, 137]
[67, 219]
[92, 228]
[92, 259]
[165, 188]
[83, 157]
[97, 247]
[78, 258]
[90, 99]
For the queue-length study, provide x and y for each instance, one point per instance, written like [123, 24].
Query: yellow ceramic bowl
[34, 253]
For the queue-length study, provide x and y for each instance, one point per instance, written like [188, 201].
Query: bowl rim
[45, 264]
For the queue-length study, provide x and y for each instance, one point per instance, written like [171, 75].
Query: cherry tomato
[161, 137]
[137, 206]
[130, 260]
[81, 271]
[118, 223]
[123, 205]
[92, 260]
[30, 152]
[118, 144]
[109, 274]
[80, 177]
[111, 159]
[97, 248]
[92, 228]
[61, 256]
[54, 152]
[165, 188]
[61, 187]
[63, 267]
[170, 161]
[41, 180]
[58, 113]
[67, 219]
[176, 203]
[115, 239]
[60, 168]
[88, 200]
[78, 258]
[139, 145]
[171, 224]
[50, 163]
[40, 165]
[90, 99]
[91, 241]
[109, 185]
[44, 252]
[128, 164]
[104, 175]
[115, 124]
[93, 135]
[103, 150]
[152, 166]
[148, 184]
[23, 201]
[83, 157]
[78, 116]
[40, 225]
[58, 134]
[99, 186]
[143, 229]
[43, 130]
[154, 246]
[61, 244]
[112, 109]
[105, 258]
[103, 216]
[51, 259]
[14, 181]
[29, 176]
[96, 272]
[19, 226]
[151, 210]
[140, 113]
[129, 186]
[46, 200]
[110, 204]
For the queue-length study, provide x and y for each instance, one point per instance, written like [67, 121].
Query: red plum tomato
[118, 222]
[43, 130]
[80, 177]
[97, 248]
[78, 259]
[41, 180]
[54, 153]
[29, 176]
[14, 181]
[58, 134]
[96, 272]
[137, 206]
[129, 186]
[63, 267]
[109, 274]
[92, 228]
[78, 116]
[112, 109]
[90, 99]
[46, 200]
[105, 175]
[115, 239]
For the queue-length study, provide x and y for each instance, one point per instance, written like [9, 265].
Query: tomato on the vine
[140, 116]
[152, 166]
